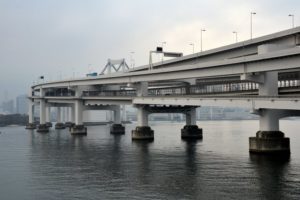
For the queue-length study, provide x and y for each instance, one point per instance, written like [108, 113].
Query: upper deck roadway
[212, 77]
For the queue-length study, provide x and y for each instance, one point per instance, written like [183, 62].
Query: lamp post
[202, 30]
[293, 20]
[236, 37]
[162, 45]
[192, 44]
[131, 59]
[251, 14]
[89, 68]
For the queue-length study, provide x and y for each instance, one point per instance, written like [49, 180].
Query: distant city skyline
[62, 39]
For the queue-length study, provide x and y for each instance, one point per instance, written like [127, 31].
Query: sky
[61, 39]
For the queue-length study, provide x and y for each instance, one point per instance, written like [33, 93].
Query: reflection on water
[104, 166]
[271, 171]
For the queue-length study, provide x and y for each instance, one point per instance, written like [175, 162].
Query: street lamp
[251, 14]
[192, 44]
[202, 30]
[162, 45]
[131, 59]
[293, 20]
[89, 68]
[236, 37]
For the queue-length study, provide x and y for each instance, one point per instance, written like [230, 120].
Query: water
[103, 166]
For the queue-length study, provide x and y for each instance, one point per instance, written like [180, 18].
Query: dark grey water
[103, 166]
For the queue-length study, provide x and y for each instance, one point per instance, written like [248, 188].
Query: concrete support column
[269, 86]
[78, 128]
[48, 117]
[78, 108]
[142, 131]
[72, 114]
[42, 128]
[142, 116]
[31, 125]
[42, 111]
[123, 113]
[142, 89]
[58, 115]
[269, 139]
[71, 117]
[117, 115]
[191, 130]
[191, 117]
[47, 113]
[269, 120]
[117, 127]
[31, 112]
[67, 119]
[59, 124]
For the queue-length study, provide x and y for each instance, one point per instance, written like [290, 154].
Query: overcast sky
[60, 38]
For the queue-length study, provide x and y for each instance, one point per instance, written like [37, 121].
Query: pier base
[30, 126]
[42, 128]
[78, 130]
[60, 126]
[69, 124]
[49, 124]
[142, 133]
[117, 129]
[269, 142]
[191, 132]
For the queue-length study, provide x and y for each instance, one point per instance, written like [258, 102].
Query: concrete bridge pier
[59, 124]
[48, 113]
[191, 130]
[71, 117]
[31, 125]
[42, 127]
[142, 131]
[269, 139]
[117, 127]
[78, 128]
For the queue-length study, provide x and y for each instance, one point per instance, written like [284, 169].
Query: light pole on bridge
[236, 37]
[201, 42]
[293, 20]
[131, 59]
[162, 45]
[193, 45]
[251, 28]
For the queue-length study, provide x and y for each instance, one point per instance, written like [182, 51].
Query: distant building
[22, 104]
[8, 107]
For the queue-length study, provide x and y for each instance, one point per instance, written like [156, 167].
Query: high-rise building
[8, 107]
[22, 104]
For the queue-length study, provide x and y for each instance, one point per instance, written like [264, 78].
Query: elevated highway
[262, 74]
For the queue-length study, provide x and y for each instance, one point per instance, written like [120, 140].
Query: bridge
[262, 74]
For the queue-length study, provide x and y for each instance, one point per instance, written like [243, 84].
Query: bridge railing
[110, 93]
[60, 94]
[200, 89]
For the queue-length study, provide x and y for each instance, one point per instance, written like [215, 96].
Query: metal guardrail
[127, 93]
[216, 89]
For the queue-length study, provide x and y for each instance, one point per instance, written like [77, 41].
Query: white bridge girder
[244, 102]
